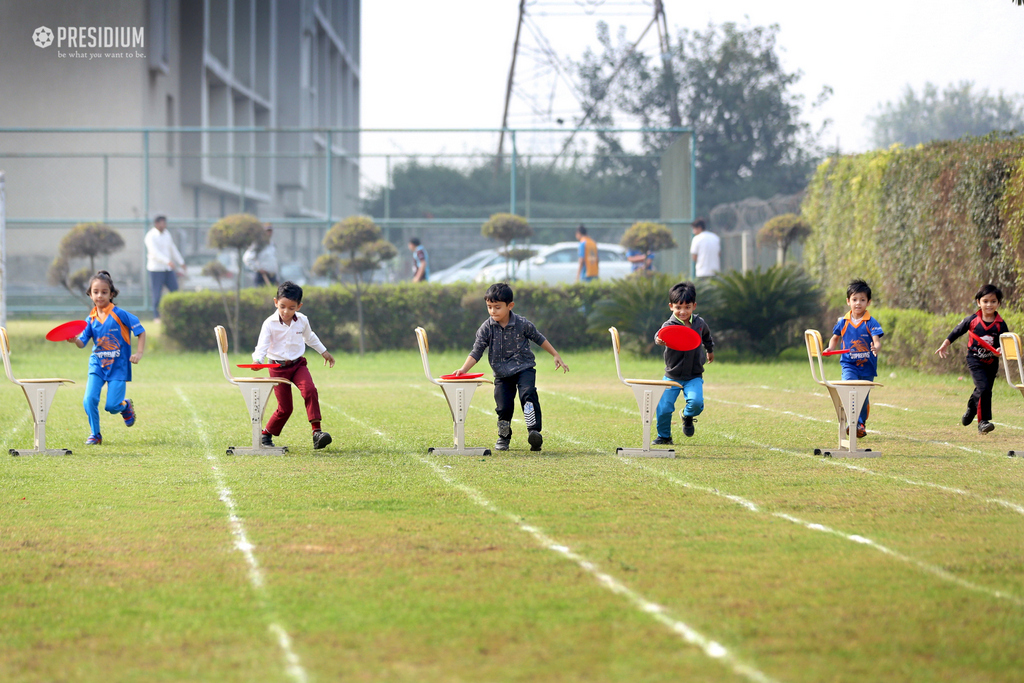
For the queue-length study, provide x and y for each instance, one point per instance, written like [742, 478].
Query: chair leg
[647, 398]
[256, 396]
[459, 397]
[848, 402]
[40, 398]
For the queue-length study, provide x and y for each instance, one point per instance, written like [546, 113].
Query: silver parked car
[558, 263]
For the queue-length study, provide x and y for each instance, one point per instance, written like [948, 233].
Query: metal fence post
[512, 200]
[145, 216]
[330, 179]
[3, 252]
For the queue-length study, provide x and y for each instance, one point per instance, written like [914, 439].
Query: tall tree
[733, 92]
[955, 112]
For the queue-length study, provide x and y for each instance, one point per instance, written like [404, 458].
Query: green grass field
[156, 557]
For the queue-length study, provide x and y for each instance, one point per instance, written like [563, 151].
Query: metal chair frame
[255, 392]
[40, 394]
[458, 393]
[848, 398]
[648, 393]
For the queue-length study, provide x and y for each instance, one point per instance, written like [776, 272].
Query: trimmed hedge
[451, 315]
[925, 226]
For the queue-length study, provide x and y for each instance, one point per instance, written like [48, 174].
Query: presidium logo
[85, 37]
[42, 36]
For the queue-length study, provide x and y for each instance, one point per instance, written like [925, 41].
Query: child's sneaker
[536, 439]
[504, 435]
[663, 441]
[128, 413]
[968, 417]
[266, 440]
[320, 439]
[862, 431]
[985, 427]
[94, 440]
[688, 425]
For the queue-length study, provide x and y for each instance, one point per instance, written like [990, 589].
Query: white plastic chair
[848, 398]
[648, 394]
[458, 393]
[39, 393]
[1009, 345]
[255, 392]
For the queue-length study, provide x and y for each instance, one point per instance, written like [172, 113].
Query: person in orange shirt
[588, 269]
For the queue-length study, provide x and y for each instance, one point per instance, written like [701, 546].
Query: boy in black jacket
[685, 367]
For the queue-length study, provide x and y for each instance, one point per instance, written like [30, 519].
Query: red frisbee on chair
[66, 331]
[834, 352]
[258, 366]
[471, 376]
[679, 337]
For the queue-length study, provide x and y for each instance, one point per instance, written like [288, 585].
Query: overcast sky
[444, 64]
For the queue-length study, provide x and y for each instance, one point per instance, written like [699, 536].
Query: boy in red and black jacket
[984, 325]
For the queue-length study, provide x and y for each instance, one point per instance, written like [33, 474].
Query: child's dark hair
[499, 291]
[989, 289]
[289, 290]
[414, 241]
[103, 276]
[683, 293]
[858, 286]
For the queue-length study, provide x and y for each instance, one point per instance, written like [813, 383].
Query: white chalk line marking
[751, 506]
[1015, 507]
[658, 612]
[293, 666]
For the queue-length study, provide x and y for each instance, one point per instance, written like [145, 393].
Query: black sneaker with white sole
[267, 440]
[968, 417]
[320, 439]
[663, 441]
[984, 427]
[536, 440]
[688, 426]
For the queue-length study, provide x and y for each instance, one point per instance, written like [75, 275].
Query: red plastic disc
[66, 330]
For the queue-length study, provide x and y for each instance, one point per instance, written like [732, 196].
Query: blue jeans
[693, 392]
[858, 373]
[115, 400]
[157, 280]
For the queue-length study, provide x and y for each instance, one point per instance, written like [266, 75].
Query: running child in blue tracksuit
[862, 334]
[110, 328]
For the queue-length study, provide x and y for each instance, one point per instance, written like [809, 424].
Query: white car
[559, 263]
[468, 268]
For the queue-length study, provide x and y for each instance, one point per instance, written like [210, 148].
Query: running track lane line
[1015, 507]
[751, 506]
[709, 647]
[293, 667]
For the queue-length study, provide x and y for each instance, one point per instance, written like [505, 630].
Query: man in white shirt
[706, 250]
[162, 262]
[263, 262]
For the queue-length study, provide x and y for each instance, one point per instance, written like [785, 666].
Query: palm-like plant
[764, 308]
[638, 307]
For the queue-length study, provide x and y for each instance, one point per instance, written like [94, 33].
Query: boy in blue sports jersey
[862, 334]
[111, 329]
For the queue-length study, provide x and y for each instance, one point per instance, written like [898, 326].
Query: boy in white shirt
[283, 340]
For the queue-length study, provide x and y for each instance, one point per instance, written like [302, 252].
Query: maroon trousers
[297, 374]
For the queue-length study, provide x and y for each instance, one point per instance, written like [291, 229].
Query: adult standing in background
[263, 262]
[420, 263]
[162, 261]
[589, 261]
[706, 250]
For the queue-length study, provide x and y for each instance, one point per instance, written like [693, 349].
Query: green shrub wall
[451, 315]
[925, 226]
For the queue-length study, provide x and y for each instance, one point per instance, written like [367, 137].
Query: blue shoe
[128, 413]
[94, 440]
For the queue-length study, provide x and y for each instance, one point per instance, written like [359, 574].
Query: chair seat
[654, 382]
[45, 381]
[478, 380]
[261, 380]
[856, 383]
